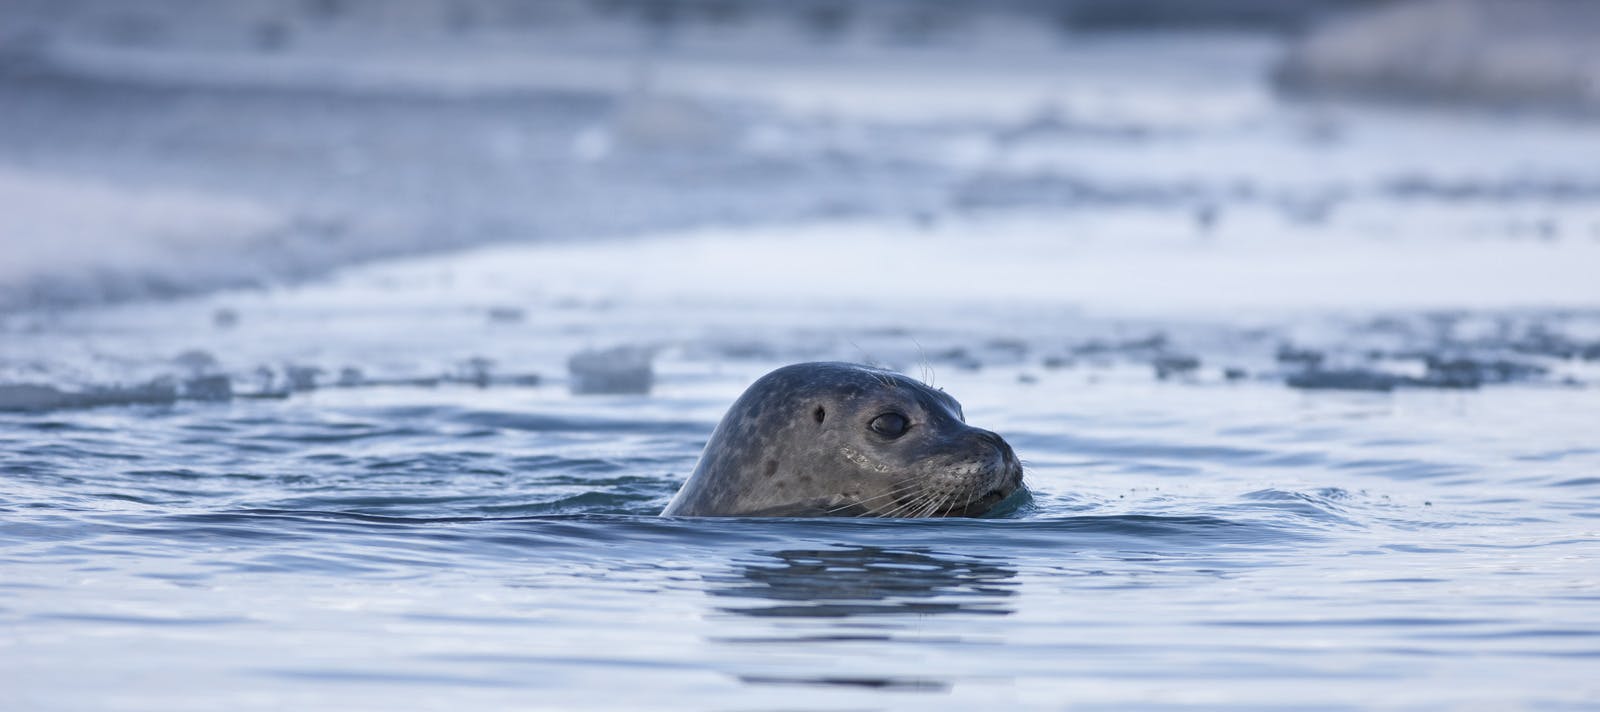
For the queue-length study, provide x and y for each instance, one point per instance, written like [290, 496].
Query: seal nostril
[819, 414]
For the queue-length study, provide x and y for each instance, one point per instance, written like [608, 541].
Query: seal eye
[890, 425]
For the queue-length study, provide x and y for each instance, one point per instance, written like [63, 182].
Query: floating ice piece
[301, 378]
[196, 361]
[1175, 365]
[28, 397]
[1356, 379]
[208, 388]
[620, 370]
[476, 370]
[507, 315]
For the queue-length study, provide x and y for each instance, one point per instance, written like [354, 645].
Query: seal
[838, 439]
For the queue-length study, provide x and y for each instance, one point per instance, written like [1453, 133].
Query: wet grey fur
[798, 443]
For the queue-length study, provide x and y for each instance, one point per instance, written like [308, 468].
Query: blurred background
[1150, 157]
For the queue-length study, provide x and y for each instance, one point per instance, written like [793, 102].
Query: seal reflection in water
[837, 439]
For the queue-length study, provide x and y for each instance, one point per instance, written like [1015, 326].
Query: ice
[69, 240]
[617, 370]
[29, 397]
[384, 197]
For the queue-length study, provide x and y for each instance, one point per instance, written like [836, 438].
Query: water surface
[1185, 547]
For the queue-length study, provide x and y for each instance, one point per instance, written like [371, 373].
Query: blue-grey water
[1186, 546]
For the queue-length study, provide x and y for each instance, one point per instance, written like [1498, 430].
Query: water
[1185, 546]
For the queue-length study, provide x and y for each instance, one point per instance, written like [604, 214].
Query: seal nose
[1001, 447]
[1006, 465]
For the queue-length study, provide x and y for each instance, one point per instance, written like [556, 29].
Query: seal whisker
[899, 505]
[962, 501]
[966, 497]
[899, 502]
[899, 511]
[919, 505]
[928, 374]
[896, 492]
[903, 507]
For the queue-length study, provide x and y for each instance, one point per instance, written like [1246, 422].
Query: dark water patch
[390, 677]
[339, 563]
[68, 453]
[1540, 544]
[1556, 455]
[330, 458]
[446, 464]
[1499, 501]
[1389, 442]
[1125, 449]
[381, 502]
[1403, 469]
[320, 435]
[378, 545]
[1379, 622]
[1162, 470]
[1518, 634]
[46, 528]
[577, 660]
[257, 448]
[891, 684]
[604, 484]
[1405, 580]
[1293, 459]
[23, 586]
[61, 426]
[535, 463]
[1577, 482]
[176, 473]
[462, 619]
[44, 468]
[1320, 508]
[136, 499]
[857, 581]
[587, 503]
[214, 528]
[825, 638]
[1248, 430]
[1419, 549]
[152, 621]
[544, 422]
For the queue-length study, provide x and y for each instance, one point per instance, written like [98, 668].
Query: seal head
[837, 439]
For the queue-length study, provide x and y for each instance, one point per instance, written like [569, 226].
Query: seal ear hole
[819, 414]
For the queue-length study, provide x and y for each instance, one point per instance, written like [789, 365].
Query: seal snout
[1000, 472]
[1005, 459]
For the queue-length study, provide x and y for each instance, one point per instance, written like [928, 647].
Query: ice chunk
[30, 397]
[619, 370]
